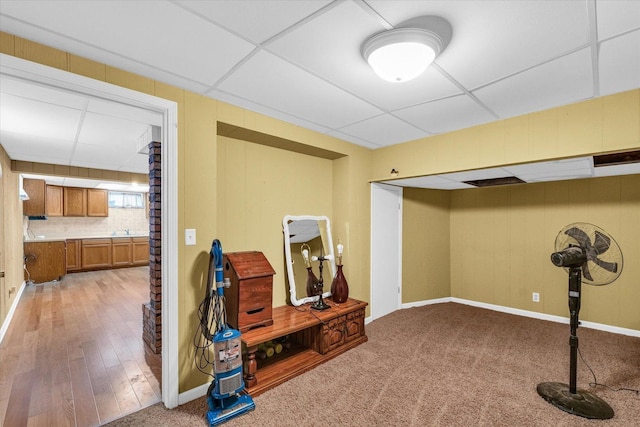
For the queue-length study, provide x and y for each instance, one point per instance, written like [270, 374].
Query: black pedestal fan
[588, 253]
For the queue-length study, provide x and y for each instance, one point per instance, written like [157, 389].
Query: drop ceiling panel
[266, 79]
[563, 81]
[198, 50]
[39, 149]
[104, 157]
[434, 182]
[446, 114]
[98, 129]
[383, 130]
[629, 169]
[38, 119]
[331, 43]
[620, 63]
[35, 92]
[492, 40]
[122, 111]
[256, 20]
[617, 17]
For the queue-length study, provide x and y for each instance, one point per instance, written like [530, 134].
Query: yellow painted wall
[425, 244]
[610, 123]
[11, 238]
[502, 239]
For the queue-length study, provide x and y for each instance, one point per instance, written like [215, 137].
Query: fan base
[581, 403]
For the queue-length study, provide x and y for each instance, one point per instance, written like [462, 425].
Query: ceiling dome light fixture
[405, 52]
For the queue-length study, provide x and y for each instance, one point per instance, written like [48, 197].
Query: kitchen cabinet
[35, 188]
[74, 255]
[45, 261]
[54, 200]
[140, 250]
[75, 201]
[97, 202]
[121, 252]
[96, 254]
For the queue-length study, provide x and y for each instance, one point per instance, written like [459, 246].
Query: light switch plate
[190, 236]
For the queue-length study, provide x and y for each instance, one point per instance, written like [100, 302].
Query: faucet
[126, 231]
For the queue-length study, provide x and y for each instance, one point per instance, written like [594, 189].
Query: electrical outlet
[536, 297]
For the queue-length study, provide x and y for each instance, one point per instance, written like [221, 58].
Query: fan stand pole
[567, 397]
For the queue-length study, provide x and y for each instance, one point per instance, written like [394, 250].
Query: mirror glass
[315, 232]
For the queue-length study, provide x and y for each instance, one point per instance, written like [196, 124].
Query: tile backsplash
[118, 220]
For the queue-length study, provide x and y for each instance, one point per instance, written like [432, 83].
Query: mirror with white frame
[314, 231]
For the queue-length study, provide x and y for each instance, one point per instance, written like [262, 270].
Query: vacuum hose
[211, 311]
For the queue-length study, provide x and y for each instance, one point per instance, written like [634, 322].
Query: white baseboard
[200, 391]
[12, 310]
[534, 315]
[193, 394]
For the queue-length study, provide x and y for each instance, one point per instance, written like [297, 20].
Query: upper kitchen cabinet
[97, 202]
[54, 201]
[75, 201]
[35, 206]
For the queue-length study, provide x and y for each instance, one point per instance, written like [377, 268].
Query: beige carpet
[441, 365]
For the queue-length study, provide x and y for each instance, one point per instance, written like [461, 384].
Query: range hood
[23, 194]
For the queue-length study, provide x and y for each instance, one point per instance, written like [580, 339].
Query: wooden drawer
[354, 325]
[254, 304]
[332, 334]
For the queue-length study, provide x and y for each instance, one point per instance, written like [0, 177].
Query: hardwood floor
[73, 354]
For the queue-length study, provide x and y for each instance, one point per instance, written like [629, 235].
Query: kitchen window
[121, 199]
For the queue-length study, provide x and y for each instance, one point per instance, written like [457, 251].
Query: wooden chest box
[249, 298]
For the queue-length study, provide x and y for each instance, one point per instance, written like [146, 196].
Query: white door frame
[377, 252]
[44, 75]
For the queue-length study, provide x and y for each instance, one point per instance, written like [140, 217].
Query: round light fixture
[403, 53]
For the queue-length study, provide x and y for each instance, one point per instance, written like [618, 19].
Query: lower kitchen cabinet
[45, 261]
[96, 254]
[140, 250]
[74, 255]
[121, 252]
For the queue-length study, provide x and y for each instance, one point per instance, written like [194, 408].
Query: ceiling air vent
[490, 182]
[617, 158]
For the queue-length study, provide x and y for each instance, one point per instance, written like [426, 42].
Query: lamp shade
[403, 53]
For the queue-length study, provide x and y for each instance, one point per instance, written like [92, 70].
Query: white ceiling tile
[257, 20]
[166, 36]
[434, 182]
[383, 130]
[39, 119]
[41, 93]
[98, 129]
[628, 169]
[330, 46]
[619, 60]
[493, 39]
[474, 175]
[446, 114]
[616, 17]
[563, 81]
[126, 112]
[42, 149]
[267, 80]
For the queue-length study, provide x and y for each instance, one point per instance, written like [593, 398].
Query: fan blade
[580, 236]
[602, 242]
[585, 272]
[609, 266]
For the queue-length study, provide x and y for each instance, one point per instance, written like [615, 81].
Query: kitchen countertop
[59, 238]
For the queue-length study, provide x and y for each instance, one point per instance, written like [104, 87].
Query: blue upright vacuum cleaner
[226, 397]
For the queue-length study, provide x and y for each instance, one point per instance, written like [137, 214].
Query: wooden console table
[314, 337]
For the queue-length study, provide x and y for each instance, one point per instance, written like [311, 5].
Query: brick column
[152, 311]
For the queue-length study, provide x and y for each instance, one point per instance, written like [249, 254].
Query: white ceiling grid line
[300, 62]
